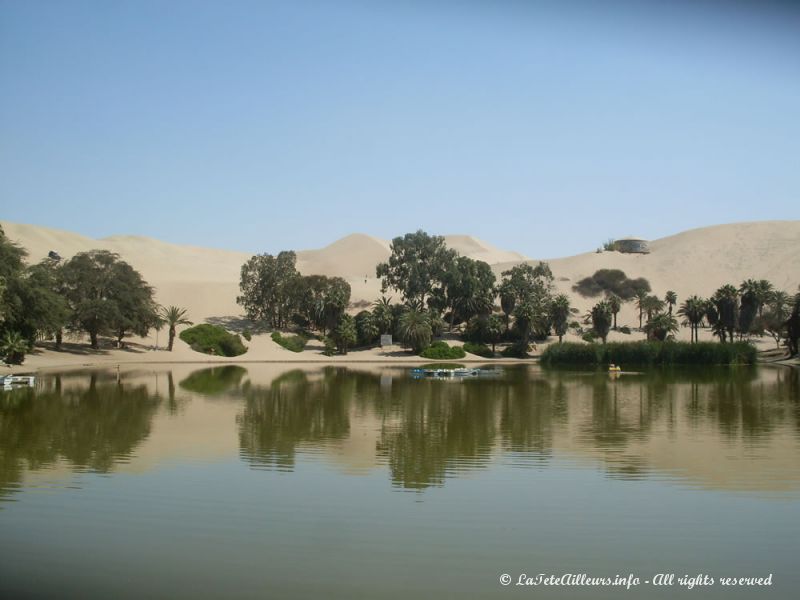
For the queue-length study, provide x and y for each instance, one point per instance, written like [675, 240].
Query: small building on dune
[632, 245]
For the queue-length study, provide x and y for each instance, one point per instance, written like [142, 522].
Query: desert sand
[206, 280]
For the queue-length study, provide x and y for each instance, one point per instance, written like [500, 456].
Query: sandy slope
[206, 280]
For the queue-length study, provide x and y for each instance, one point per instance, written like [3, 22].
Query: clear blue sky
[543, 127]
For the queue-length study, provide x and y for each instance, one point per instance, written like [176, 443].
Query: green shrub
[479, 349]
[295, 343]
[650, 353]
[214, 340]
[515, 350]
[589, 336]
[441, 351]
[330, 346]
[247, 335]
[625, 329]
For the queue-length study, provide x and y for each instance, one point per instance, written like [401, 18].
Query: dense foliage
[295, 343]
[478, 349]
[649, 353]
[214, 340]
[442, 351]
[611, 281]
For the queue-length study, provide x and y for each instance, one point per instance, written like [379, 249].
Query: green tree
[693, 310]
[660, 326]
[382, 314]
[508, 301]
[345, 334]
[615, 303]
[172, 317]
[107, 296]
[601, 319]
[468, 288]
[671, 298]
[652, 305]
[532, 287]
[366, 328]
[415, 329]
[268, 287]
[494, 330]
[416, 266]
[559, 314]
[641, 302]
[725, 301]
[13, 347]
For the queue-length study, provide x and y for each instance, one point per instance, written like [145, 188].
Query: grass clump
[478, 349]
[295, 343]
[441, 351]
[516, 350]
[214, 340]
[649, 354]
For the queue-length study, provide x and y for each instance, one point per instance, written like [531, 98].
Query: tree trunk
[93, 339]
[59, 338]
[171, 338]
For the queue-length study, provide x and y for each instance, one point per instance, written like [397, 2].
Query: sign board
[386, 340]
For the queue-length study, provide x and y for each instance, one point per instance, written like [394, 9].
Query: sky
[545, 127]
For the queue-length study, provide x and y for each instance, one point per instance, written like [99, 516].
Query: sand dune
[206, 280]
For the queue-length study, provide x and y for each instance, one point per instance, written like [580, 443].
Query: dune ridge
[205, 280]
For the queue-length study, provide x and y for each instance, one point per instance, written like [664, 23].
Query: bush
[247, 335]
[330, 346]
[214, 340]
[589, 336]
[611, 281]
[650, 353]
[479, 349]
[440, 350]
[625, 329]
[516, 350]
[295, 343]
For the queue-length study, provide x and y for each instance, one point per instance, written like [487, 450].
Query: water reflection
[742, 426]
[719, 428]
[90, 421]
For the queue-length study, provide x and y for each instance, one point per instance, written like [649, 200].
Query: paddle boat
[7, 381]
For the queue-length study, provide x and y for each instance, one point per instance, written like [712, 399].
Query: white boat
[7, 381]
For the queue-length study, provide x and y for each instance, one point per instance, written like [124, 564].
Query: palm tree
[415, 329]
[559, 315]
[601, 319]
[652, 305]
[172, 317]
[13, 347]
[615, 302]
[671, 298]
[660, 326]
[725, 300]
[494, 330]
[382, 314]
[641, 302]
[693, 310]
[508, 301]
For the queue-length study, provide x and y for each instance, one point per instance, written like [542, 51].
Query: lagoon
[270, 481]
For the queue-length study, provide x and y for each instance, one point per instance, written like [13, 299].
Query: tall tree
[615, 303]
[725, 301]
[414, 328]
[416, 266]
[267, 284]
[530, 286]
[693, 310]
[468, 288]
[671, 298]
[559, 315]
[345, 334]
[508, 301]
[641, 302]
[601, 319]
[172, 317]
[107, 296]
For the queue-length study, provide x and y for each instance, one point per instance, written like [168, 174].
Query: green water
[268, 482]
